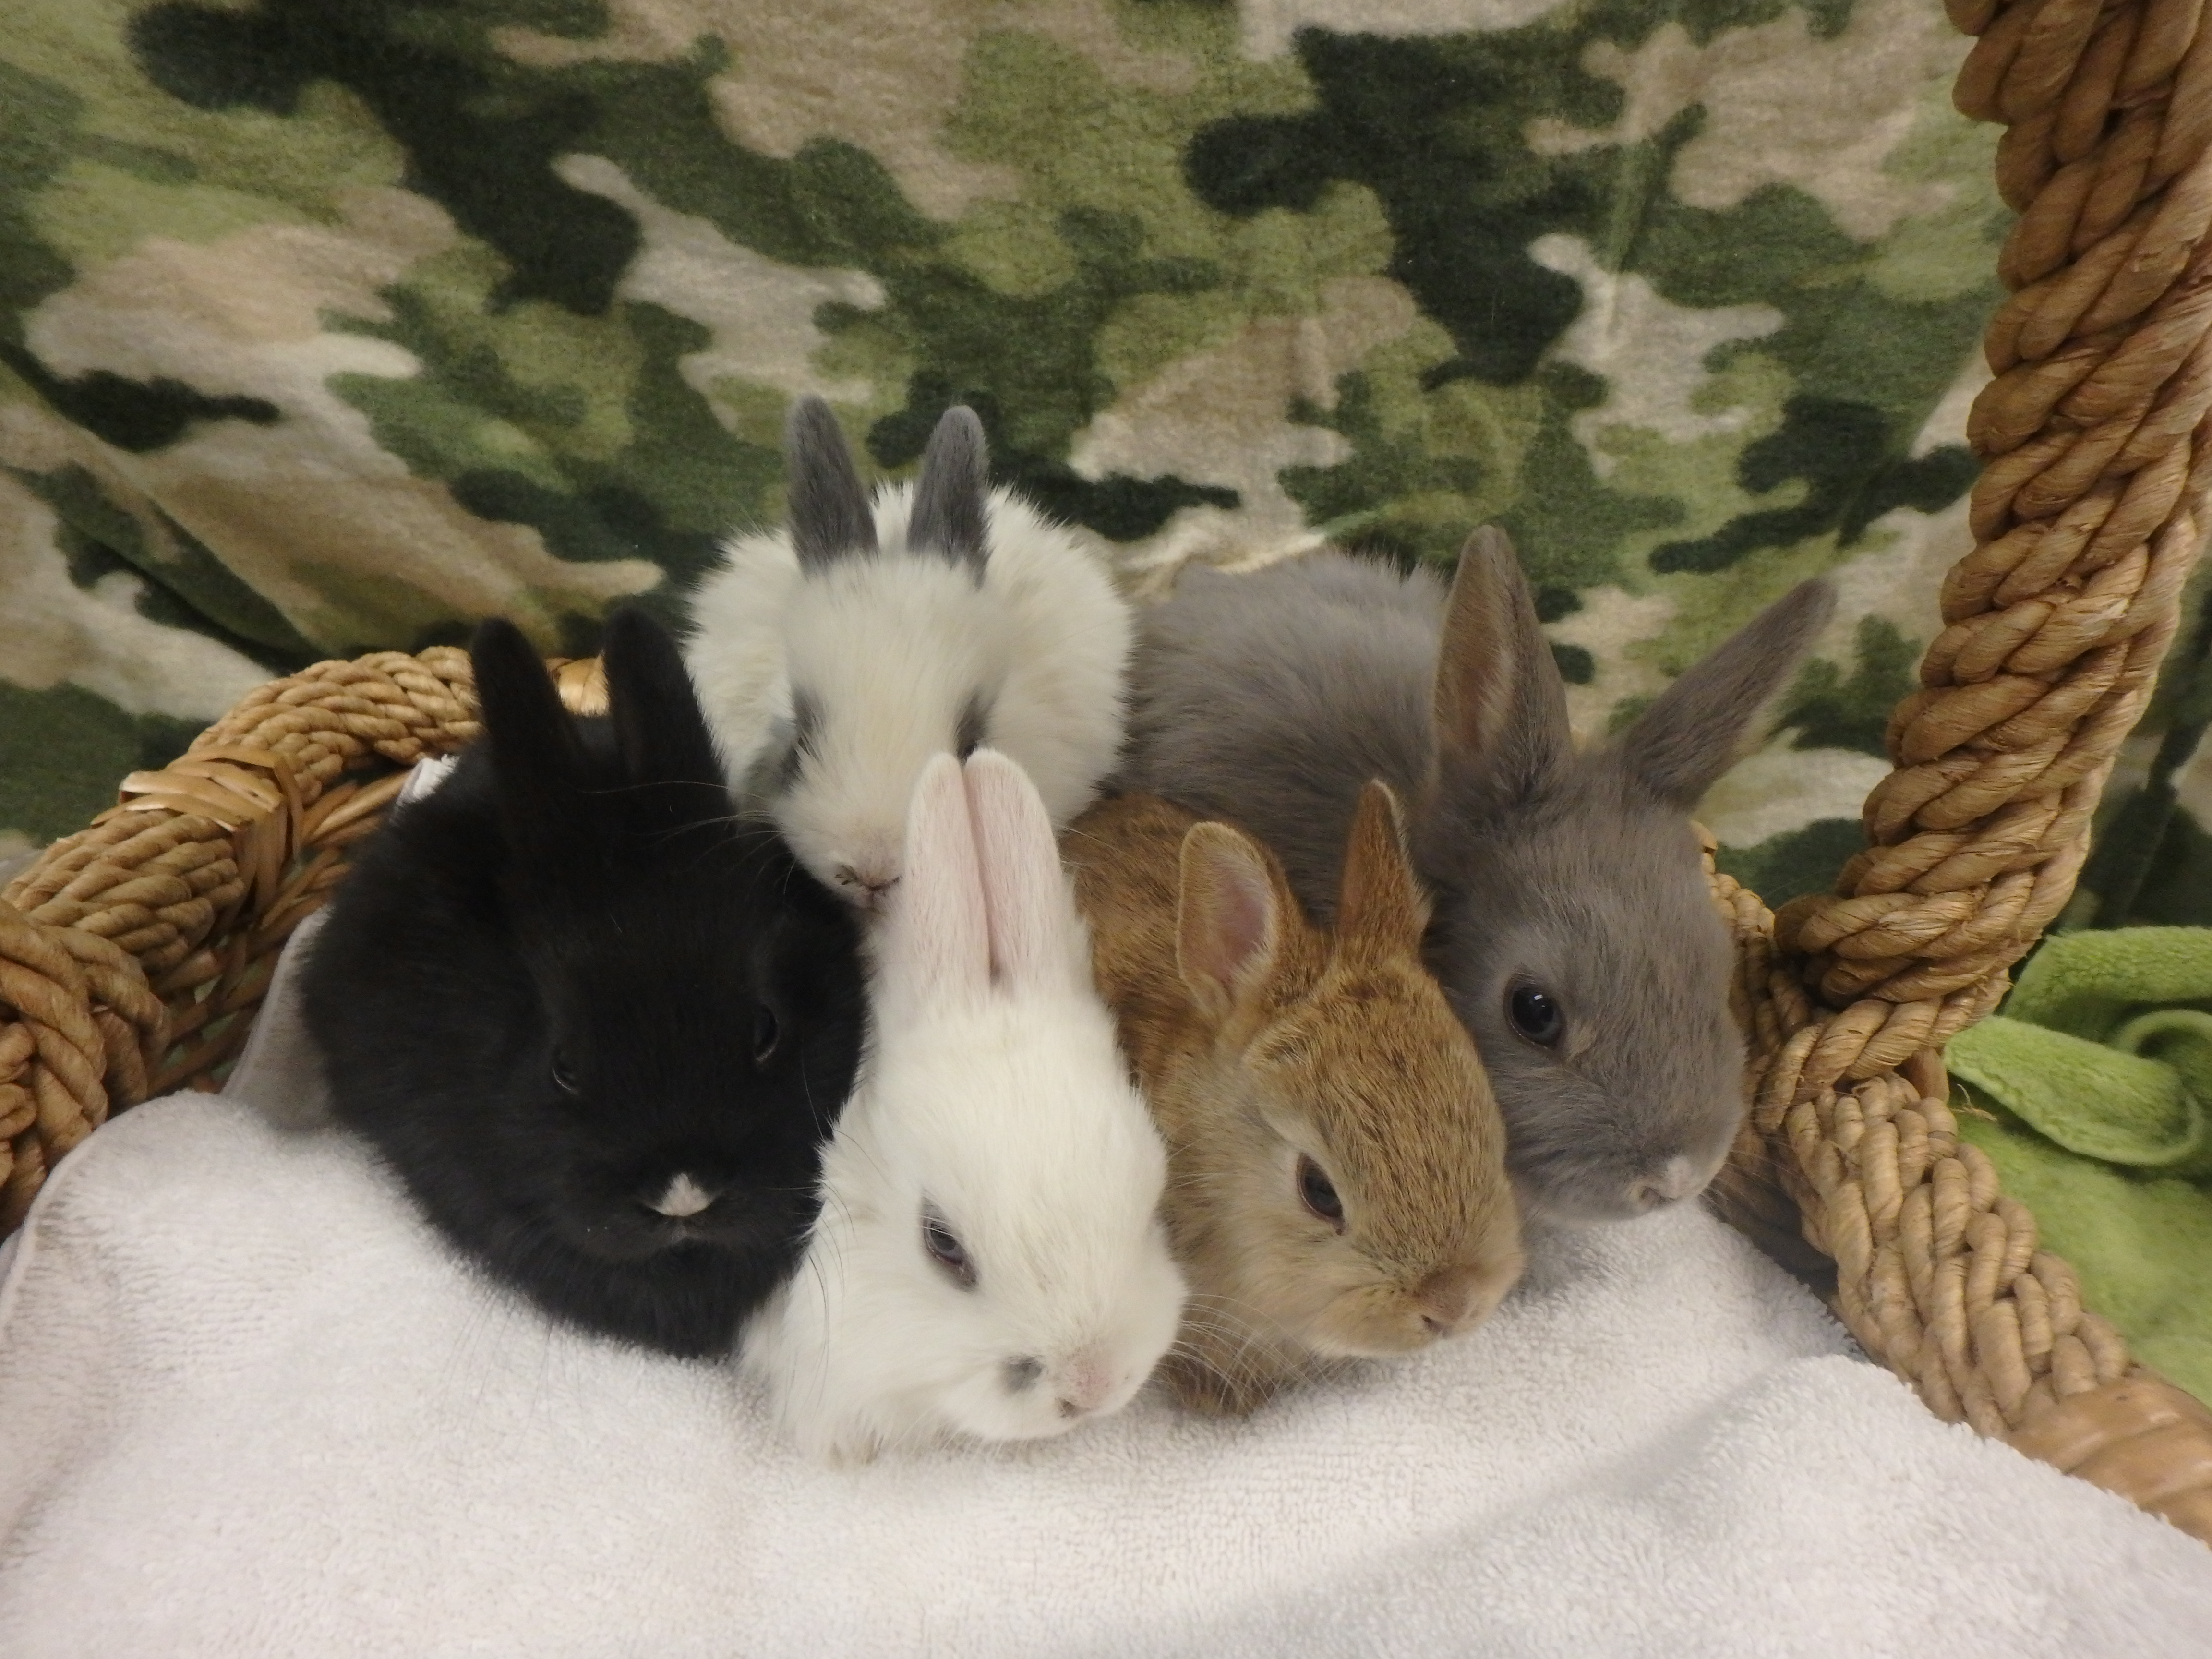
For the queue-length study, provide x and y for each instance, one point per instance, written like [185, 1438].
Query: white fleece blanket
[249, 1405]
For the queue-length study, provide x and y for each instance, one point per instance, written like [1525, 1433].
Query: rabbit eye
[767, 1032]
[1534, 1013]
[1318, 1193]
[565, 1073]
[946, 1249]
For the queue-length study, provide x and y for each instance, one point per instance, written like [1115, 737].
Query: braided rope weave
[2096, 454]
[132, 954]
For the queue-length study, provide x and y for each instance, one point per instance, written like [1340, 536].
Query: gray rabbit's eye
[946, 1249]
[1318, 1193]
[1532, 1012]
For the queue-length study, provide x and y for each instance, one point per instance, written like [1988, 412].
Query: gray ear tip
[958, 440]
[1490, 558]
[1491, 543]
[809, 413]
[1807, 607]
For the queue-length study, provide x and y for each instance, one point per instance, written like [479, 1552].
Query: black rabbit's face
[696, 1039]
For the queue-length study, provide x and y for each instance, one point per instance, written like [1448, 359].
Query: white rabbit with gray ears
[835, 656]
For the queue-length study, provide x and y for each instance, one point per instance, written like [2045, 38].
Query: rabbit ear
[1501, 709]
[1229, 916]
[948, 495]
[533, 742]
[829, 509]
[937, 942]
[659, 731]
[1381, 911]
[1679, 747]
[1036, 935]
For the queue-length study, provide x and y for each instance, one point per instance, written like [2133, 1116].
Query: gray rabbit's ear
[829, 515]
[948, 496]
[1501, 709]
[1699, 725]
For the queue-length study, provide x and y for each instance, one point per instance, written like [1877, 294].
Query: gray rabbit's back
[1324, 662]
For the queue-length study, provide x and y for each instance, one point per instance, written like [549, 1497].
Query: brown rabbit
[1336, 1184]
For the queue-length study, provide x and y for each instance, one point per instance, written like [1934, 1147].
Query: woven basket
[132, 954]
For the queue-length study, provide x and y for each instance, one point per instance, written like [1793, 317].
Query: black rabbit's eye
[946, 1249]
[767, 1032]
[565, 1073]
[1535, 1014]
[1318, 1193]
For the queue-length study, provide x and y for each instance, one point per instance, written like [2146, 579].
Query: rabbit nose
[681, 1197]
[1674, 1179]
[1085, 1385]
[1446, 1298]
[865, 888]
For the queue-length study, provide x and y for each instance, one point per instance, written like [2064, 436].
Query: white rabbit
[834, 657]
[989, 1261]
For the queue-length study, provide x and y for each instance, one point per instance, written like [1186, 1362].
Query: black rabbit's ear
[1698, 726]
[829, 507]
[659, 731]
[1501, 707]
[948, 517]
[533, 742]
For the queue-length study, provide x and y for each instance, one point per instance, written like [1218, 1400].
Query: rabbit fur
[1337, 1178]
[835, 656]
[989, 1262]
[1574, 931]
[598, 1029]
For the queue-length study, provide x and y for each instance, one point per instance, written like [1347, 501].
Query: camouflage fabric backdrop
[327, 324]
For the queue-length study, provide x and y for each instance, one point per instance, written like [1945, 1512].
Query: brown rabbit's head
[1339, 1183]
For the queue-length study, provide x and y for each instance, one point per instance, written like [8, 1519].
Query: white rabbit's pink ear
[1035, 935]
[936, 935]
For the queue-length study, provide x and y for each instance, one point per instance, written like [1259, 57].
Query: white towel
[250, 1405]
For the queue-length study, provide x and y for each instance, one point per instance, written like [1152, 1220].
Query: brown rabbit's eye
[946, 1249]
[1318, 1193]
[1535, 1014]
[564, 1074]
[767, 1032]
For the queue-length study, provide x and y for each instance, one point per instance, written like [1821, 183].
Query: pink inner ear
[1025, 896]
[937, 941]
[1235, 919]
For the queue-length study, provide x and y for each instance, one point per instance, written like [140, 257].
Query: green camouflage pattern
[334, 325]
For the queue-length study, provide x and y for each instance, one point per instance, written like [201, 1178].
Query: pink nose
[1673, 1180]
[1086, 1384]
[864, 888]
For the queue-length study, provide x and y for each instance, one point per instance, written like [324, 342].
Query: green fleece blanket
[328, 325]
[331, 324]
[2099, 1073]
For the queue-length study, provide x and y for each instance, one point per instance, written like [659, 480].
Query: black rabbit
[600, 1028]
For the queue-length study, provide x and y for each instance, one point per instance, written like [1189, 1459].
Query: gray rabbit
[1574, 931]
